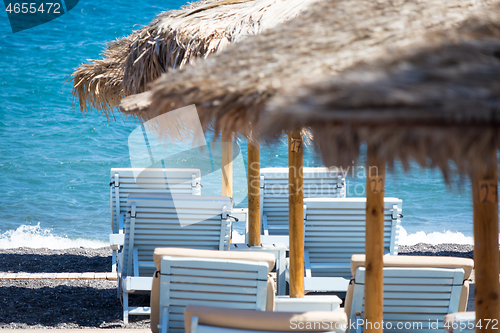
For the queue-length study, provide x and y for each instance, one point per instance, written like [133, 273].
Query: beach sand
[73, 303]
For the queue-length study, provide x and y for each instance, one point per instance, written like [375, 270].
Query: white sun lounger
[203, 319]
[125, 181]
[418, 291]
[189, 221]
[231, 279]
[318, 183]
[335, 230]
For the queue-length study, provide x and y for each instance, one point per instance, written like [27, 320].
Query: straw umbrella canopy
[437, 102]
[447, 81]
[231, 88]
[173, 39]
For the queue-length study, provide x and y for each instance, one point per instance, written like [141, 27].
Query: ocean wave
[38, 237]
[434, 238]
[238, 237]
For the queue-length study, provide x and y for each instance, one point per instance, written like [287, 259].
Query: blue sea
[55, 163]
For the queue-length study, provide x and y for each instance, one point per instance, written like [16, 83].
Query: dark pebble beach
[62, 304]
[65, 304]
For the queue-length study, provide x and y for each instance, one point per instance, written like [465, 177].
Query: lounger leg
[125, 308]
[194, 325]
[359, 328]
[280, 272]
[113, 262]
[164, 321]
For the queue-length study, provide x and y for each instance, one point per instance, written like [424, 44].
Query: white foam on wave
[434, 238]
[37, 237]
[237, 237]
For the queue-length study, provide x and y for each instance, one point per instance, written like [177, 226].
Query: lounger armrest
[194, 324]
[116, 241]
[330, 265]
[164, 322]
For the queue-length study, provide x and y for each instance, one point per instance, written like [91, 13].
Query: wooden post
[227, 168]
[253, 193]
[296, 213]
[374, 247]
[486, 257]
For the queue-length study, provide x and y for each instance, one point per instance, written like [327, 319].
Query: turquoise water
[54, 163]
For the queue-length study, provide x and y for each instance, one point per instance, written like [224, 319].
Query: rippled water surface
[54, 163]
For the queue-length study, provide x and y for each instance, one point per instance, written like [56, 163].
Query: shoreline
[91, 304]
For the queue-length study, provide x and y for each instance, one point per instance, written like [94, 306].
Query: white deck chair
[418, 291]
[335, 230]
[239, 280]
[190, 221]
[124, 181]
[203, 319]
[318, 183]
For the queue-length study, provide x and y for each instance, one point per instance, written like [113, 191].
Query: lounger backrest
[201, 319]
[190, 221]
[335, 230]
[416, 299]
[318, 183]
[158, 181]
[235, 284]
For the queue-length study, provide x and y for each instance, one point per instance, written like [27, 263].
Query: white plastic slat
[215, 289]
[416, 302]
[214, 281]
[208, 296]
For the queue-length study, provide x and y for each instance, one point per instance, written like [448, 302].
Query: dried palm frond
[232, 87]
[437, 103]
[173, 39]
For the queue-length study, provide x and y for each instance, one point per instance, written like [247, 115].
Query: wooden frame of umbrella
[434, 103]
[231, 88]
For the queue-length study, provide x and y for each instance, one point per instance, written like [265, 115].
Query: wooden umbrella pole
[253, 193]
[227, 167]
[486, 256]
[296, 213]
[374, 247]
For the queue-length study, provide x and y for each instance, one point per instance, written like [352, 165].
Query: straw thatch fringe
[232, 87]
[172, 40]
[435, 104]
[98, 85]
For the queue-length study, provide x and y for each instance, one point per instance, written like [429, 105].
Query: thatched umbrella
[231, 88]
[172, 40]
[436, 102]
